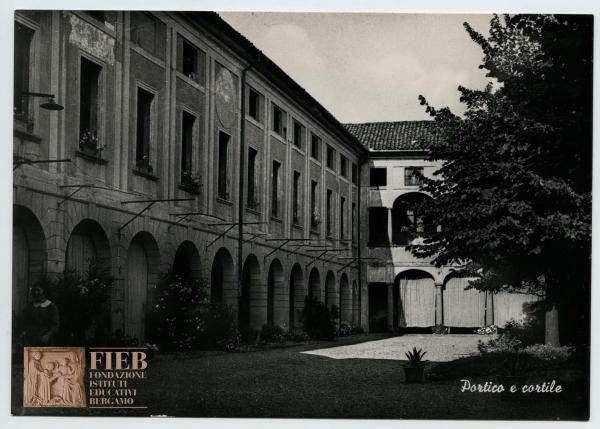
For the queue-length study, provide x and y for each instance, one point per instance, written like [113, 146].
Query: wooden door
[80, 251]
[20, 267]
[136, 292]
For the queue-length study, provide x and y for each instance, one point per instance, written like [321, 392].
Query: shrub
[529, 329]
[487, 330]
[317, 319]
[505, 343]
[218, 328]
[273, 334]
[83, 303]
[183, 318]
[548, 352]
[344, 330]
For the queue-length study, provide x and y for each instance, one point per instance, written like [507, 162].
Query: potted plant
[415, 369]
[89, 144]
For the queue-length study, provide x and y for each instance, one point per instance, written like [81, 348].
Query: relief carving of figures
[54, 377]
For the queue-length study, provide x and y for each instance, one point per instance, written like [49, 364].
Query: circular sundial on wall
[225, 98]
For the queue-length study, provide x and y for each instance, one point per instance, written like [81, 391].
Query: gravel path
[439, 348]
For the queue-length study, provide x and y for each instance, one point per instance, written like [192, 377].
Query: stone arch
[314, 284]
[88, 242]
[252, 312]
[414, 299]
[331, 292]
[296, 295]
[187, 261]
[223, 288]
[29, 255]
[277, 297]
[406, 222]
[142, 273]
[345, 300]
[462, 308]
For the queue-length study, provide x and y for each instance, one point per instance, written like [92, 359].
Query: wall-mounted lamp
[50, 104]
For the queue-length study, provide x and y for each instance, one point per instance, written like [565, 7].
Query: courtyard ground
[361, 381]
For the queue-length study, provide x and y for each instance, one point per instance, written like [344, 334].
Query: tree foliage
[514, 191]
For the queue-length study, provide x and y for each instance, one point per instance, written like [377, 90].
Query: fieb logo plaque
[53, 377]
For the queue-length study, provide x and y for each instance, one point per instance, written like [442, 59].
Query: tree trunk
[552, 332]
[552, 337]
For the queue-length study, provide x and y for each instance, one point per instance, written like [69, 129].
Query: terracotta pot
[414, 374]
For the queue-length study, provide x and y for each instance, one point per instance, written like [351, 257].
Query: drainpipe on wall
[241, 182]
[360, 165]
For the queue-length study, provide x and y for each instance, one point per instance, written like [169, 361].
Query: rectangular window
[330, 157]
[190, 61]
[254, 103]
[378, 221]
[354, 173]
[89, 105]
[299, 133]
[279, 119]
[343, 166]
[296, 199]
[144, 127]
[342, 218]
[413, 176]
[252, 198]
[187, 138]
[378, 176]
[353, 220]
[222, 186]
[315, 147]
[148, 33]
[315, 217]
[23, 38]
[275, 190]
[329, 210]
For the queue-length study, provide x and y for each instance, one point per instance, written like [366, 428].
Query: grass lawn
[286, 383]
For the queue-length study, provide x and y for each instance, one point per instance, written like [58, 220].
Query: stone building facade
[403, 291]
[180, 145]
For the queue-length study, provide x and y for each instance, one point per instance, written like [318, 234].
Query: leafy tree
[514, 191]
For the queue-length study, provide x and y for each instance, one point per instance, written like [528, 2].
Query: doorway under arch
[296, 295]
[222, 279]
[252, 313]
[143, 262]
[277, 297]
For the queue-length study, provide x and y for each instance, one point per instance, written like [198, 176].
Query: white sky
[371, 67]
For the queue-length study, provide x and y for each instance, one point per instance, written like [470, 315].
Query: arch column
[439, 303]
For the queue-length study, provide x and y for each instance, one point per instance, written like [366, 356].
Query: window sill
[276, 219]
[190, 81]
[331, 170]
[255, 122]
[315, 160]
[297, 226]
[314, 232]
[253, 210]
[278, 137]
[222, 200]
[189, 188]
[297, 149]
[26, 135]
[145, 175]
[91, 158]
